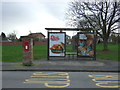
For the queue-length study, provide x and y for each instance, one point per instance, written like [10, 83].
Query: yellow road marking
[50, 82]
[53, 86]
[54, 73]
[27, 80]
[105, 84]
[49, 78]
[54, 80]
[106, 80]
[52, 76]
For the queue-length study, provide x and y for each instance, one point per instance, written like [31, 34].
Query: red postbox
[26, 45]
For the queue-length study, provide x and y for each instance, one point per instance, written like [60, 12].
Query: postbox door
[26, 45]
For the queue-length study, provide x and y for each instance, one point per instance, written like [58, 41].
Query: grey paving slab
[78, 65]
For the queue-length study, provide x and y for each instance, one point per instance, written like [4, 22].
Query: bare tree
[101, 16]
[12, 36]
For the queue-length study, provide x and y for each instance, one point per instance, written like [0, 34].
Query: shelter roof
[69, 29]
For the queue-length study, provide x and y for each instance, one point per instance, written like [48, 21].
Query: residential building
[36, 36]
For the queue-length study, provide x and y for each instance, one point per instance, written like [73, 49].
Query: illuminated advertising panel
[86, 45]
[56, 44]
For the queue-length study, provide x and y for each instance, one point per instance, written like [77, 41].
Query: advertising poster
[56, 44]
[86, 44]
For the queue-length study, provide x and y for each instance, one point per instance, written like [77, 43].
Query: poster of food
[56, 44]
[86, 44]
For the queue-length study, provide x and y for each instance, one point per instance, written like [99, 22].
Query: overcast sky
[23, 16]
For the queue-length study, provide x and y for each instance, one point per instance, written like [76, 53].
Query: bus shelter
[84, 41]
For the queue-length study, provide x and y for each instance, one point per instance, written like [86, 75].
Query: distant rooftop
[37, 33]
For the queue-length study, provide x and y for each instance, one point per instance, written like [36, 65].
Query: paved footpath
[65, 65]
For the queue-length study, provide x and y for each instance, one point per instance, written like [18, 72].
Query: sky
[25, 16]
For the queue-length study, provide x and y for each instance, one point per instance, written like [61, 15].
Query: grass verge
[14, 53]
[112, 54]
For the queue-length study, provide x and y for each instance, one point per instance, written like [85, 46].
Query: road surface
[59, 80]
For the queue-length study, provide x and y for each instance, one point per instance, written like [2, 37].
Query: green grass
[112, 54]
[40, 52]
[14, 53]
[69, 48]
[0, 53]
[112, 47]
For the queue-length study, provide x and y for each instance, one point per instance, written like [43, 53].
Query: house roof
[32, 35]
[35, 34]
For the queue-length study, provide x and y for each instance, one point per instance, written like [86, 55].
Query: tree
[104, 17]
[12, 36]
[3, 36]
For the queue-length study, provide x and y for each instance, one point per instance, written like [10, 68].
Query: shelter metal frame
[86, 30]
